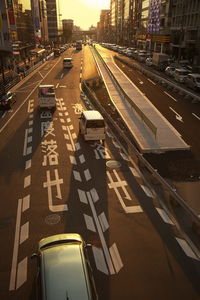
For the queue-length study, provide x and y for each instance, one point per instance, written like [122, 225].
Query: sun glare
[100, 4]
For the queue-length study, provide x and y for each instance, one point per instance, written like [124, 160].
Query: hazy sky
[84, 12]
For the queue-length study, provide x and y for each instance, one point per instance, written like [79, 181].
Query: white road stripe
[82, 158]
[87, 174]
[26, 203]
[82, 196]
[25, 142]
[105, 249]
[134, 172]
[186, 248]
[22, 272]
[170, 96]
[103, 221]
[57, 85]
[147, 191]
[196, 116]
[77, 176]
[27, 181]
[15, 248]
[164, 216]
[28, 164]
[89, 223]
[95, 196]
[151, 81]
[99, 260]
[71, 139]
[72, 160]
[116, 257]
[24, 232]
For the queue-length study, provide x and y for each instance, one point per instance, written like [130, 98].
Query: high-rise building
[67, 30]
[185, 29]
[54, 21]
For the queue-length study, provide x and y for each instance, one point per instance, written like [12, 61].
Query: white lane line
[25, 142]
[99, 260]
[164, 216]
[28, 164]
[82, 158]
[134, 172]
[26, 203]
[5, 113]
[62, 75]
[57, 85]
[186, 248]
[151, 81]
[24, 232]
[41, 74]
[95, 196]
[82, 196]
[72, 160]
[116, 257]
[170, 96]
[147, 191]
[70, 137]
[89, 223]
[103, 221]
[16, 247]
[27, 181]
[178, 117]
[196, 116]
[87, 175]
[22, 272]
[77, 176]
[62, 86]
[100, 233]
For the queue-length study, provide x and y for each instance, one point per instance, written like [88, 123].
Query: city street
[52, 182]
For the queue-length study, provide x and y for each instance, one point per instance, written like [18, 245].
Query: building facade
[54, 21]
[67, 26]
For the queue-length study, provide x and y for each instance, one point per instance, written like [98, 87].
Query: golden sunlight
[99, 4]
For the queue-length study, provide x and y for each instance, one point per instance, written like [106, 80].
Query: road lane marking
[151, 81]
[16, 247]
[87, 175]
[27, 181]
[57, 85]
[24, 232]
[164, 216]
[103, 221]
[22, 272]
[28, 164]
[147, 191]
[170, 96]
[186, 248]
[178, 117]
[25, 143]
[89, 223]
[100, 233]
[116, 257]
[196, 116]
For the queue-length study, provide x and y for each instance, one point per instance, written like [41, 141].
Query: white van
[67, 62]
[92, 125]
[47, 96]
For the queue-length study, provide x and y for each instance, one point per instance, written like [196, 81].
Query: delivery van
[47, 96]
[67, 62]
[92, 125]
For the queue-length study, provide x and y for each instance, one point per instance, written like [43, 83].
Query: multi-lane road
[53, 182]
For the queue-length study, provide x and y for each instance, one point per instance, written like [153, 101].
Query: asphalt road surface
[53, 182]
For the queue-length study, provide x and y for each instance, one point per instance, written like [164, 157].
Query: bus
[78, 45]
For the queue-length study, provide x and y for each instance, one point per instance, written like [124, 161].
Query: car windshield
[95, 124]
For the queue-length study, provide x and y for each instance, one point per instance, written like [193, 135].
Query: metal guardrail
[144, 118]
[171, 199]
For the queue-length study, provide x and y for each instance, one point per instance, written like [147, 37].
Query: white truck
[47, 96]
[160, 60]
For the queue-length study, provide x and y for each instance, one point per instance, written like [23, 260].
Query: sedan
[170, 71]
[7, 100]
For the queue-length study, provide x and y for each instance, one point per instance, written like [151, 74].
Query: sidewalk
[152, 132]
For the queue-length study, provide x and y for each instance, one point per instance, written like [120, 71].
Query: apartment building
[54, 21]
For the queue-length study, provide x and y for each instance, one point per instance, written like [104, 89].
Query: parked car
[141, 56]
[192, 80]
[64, 269]
[180, 74]
[170, 71]
[148, 61]
[7, 100]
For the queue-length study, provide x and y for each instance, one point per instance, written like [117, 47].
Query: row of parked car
[180, 71]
